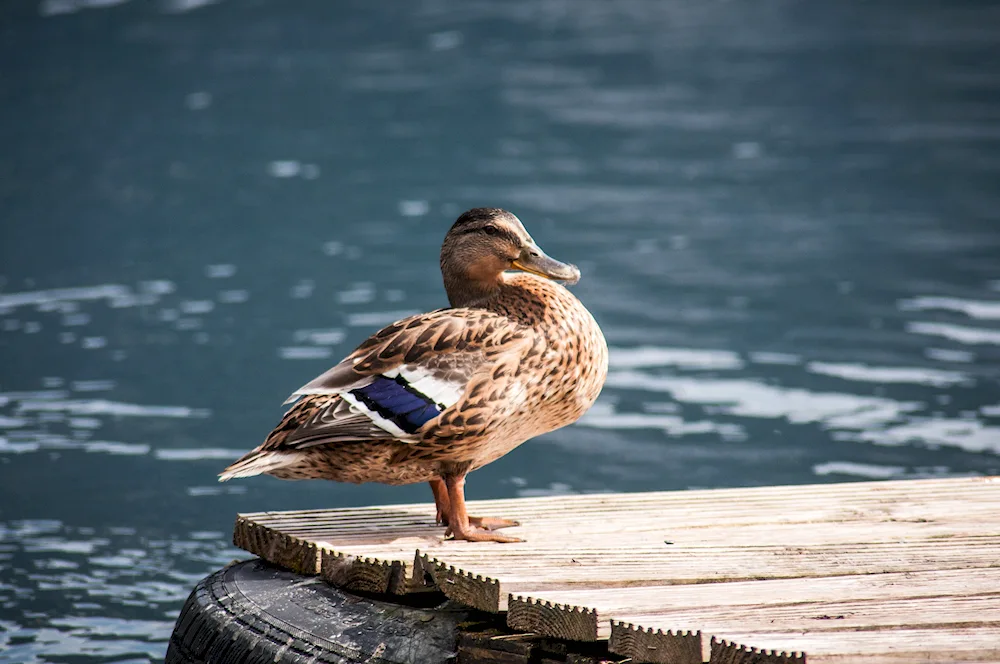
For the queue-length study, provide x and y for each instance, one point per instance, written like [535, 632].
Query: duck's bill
[535, 261]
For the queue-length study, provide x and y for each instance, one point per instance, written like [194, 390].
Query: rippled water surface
[786, 213]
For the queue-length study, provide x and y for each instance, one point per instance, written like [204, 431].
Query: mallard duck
[435, 396]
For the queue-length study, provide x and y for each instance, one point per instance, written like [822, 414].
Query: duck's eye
[491, 230]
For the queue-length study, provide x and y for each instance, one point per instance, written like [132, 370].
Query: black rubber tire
[255, 612]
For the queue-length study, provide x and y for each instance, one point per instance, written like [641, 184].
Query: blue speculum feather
[397, 401]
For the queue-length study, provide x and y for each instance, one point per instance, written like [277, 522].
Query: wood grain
[586, 615]
[944, 644]
[868, 572]
[659, 646]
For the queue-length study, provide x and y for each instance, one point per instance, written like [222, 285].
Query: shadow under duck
[435, 396]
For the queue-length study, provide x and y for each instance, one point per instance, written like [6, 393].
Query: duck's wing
[402, 378]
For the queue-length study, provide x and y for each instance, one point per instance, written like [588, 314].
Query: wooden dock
[874, 572]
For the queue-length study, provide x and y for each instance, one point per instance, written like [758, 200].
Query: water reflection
[117, 590]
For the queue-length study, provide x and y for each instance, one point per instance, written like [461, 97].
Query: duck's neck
[479, 294]
[525, 298]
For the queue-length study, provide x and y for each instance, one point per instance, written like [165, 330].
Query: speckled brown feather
[531, 359]
[536, 360]
[544, 381]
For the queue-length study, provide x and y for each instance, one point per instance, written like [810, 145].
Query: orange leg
[459, 524]
[492, 522]
[443, 504]
[441, 501]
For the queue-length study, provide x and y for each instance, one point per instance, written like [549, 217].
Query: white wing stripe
[442, 392]
[376, 419]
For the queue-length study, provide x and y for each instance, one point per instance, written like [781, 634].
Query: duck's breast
[565, 377]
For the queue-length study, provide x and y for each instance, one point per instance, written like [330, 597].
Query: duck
[435, 396]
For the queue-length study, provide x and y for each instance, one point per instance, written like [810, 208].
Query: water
[786, 215]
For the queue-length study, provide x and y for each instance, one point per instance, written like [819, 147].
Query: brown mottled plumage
[516, 356]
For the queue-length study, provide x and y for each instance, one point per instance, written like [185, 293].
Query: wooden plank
[951, 645]
[848, 616]
[274, 546]
[384, 571]
[427, 536]
[586, 615]
[587, 522]
[487, 649]
[387, 533]
[537, 572]
[837, 502]
[647, 645]
[363, 574]
[358, 530]
[905, 646]
[593, 564]
[474, 590]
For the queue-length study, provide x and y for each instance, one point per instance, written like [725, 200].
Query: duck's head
[483, 244]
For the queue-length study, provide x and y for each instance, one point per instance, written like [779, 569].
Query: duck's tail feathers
[259, 462]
